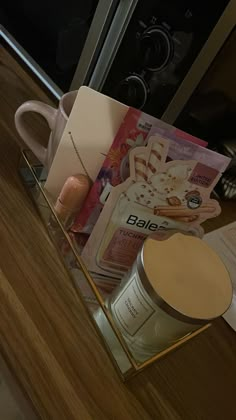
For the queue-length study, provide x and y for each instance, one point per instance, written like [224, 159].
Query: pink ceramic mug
[56, 119]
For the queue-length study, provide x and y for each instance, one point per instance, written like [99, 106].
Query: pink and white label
[124, 247]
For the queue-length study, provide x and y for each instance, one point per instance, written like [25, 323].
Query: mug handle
[48, 112]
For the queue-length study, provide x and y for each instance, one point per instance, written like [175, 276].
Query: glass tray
[92, 296]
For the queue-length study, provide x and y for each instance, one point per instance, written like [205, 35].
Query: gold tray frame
[29, 169]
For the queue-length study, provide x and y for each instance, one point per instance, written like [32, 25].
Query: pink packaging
[158, 196]
[179, 148]
[132, 133]
[115, 169]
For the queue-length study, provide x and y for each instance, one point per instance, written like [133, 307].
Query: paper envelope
[93, 124]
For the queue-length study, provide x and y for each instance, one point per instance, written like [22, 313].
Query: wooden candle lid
[188, 276]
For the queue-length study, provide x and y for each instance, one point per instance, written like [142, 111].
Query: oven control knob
[156, 48]
[133, 91]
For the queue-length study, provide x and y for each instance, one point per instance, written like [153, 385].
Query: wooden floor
[46, 337]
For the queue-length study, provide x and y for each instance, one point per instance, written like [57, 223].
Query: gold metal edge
[137, 366]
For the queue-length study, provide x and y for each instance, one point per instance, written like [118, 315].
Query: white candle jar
[174, 287]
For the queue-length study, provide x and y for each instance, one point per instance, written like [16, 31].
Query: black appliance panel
[158, 48]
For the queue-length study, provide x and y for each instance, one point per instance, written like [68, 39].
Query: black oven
[144, 64]
[139, 52]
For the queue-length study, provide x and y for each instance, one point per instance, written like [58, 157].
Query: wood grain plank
[45, 334]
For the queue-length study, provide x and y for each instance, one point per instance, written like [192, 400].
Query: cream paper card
[92, 126]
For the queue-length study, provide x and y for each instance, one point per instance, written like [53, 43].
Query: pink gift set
[124, 196]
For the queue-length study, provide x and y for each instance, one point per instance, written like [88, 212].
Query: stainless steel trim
[158, 300]
[211, 48]
[97, 32]
[29, 61]
[113, 40]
